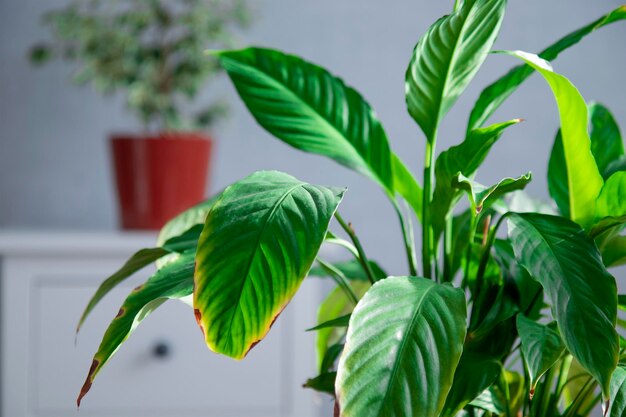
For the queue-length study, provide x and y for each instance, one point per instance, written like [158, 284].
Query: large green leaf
[606, 146]
[584, 179]
[403, 345]
[482, 197]
[258, 243]
[583, 295]
[541, 348]
[310, 109]
[474, 374]
[617, 407]
[612, 199]
[174, 280]
[465, 158]
[495, 94]
[446, 59]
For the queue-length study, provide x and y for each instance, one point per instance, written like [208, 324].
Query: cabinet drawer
[163, 369]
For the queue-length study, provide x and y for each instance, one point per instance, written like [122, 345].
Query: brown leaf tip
[198, 314]
[87, 385]
[337, 410]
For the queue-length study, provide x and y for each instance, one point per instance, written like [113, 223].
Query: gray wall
[54, 166]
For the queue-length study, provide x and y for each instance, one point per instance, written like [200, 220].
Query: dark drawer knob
[162, 350]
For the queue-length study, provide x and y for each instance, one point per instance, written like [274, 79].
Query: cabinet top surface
[44, 242]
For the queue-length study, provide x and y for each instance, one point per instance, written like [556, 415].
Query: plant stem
[585, 411]
[457, 3]
[447, 249]
[409, 239]
[340, 279]
[582, 394]
[357, 244]
[429, 173]
[468, 253]
[547, 390]
[566, 363]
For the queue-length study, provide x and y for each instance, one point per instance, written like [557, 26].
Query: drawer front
[163, 369]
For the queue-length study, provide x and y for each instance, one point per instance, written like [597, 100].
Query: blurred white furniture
[163, 369]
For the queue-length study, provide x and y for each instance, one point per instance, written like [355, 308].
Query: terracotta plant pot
[159, 176]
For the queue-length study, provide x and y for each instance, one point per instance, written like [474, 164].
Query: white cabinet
[163, 369]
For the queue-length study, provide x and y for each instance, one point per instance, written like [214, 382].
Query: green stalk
[486, 252]
[447, 249]
[544, 402]
[582, 394]
[409, 239]
[340, 279]
[560, 392]
[427, 233]
[357, 244]
[592, 404]
[468, 253]
[563, 373]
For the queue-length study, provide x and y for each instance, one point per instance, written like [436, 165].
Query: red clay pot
[159, 176]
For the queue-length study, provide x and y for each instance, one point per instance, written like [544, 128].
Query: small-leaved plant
[511, 311]
[151, 49]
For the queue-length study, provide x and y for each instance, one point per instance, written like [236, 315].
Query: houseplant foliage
[511, 312]
[152, 50]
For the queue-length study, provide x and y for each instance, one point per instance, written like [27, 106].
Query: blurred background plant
[151, 49]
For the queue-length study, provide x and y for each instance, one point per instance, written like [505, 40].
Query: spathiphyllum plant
[511, 311]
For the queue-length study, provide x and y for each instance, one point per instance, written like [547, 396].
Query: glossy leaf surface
[582, 294]
[495, 94]
[465, 158]
[250, 262]
[310, 109]
[403, 345]
[174, 280]
[617, 407]
[541, 348]
[584, 179]
[447, 58]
